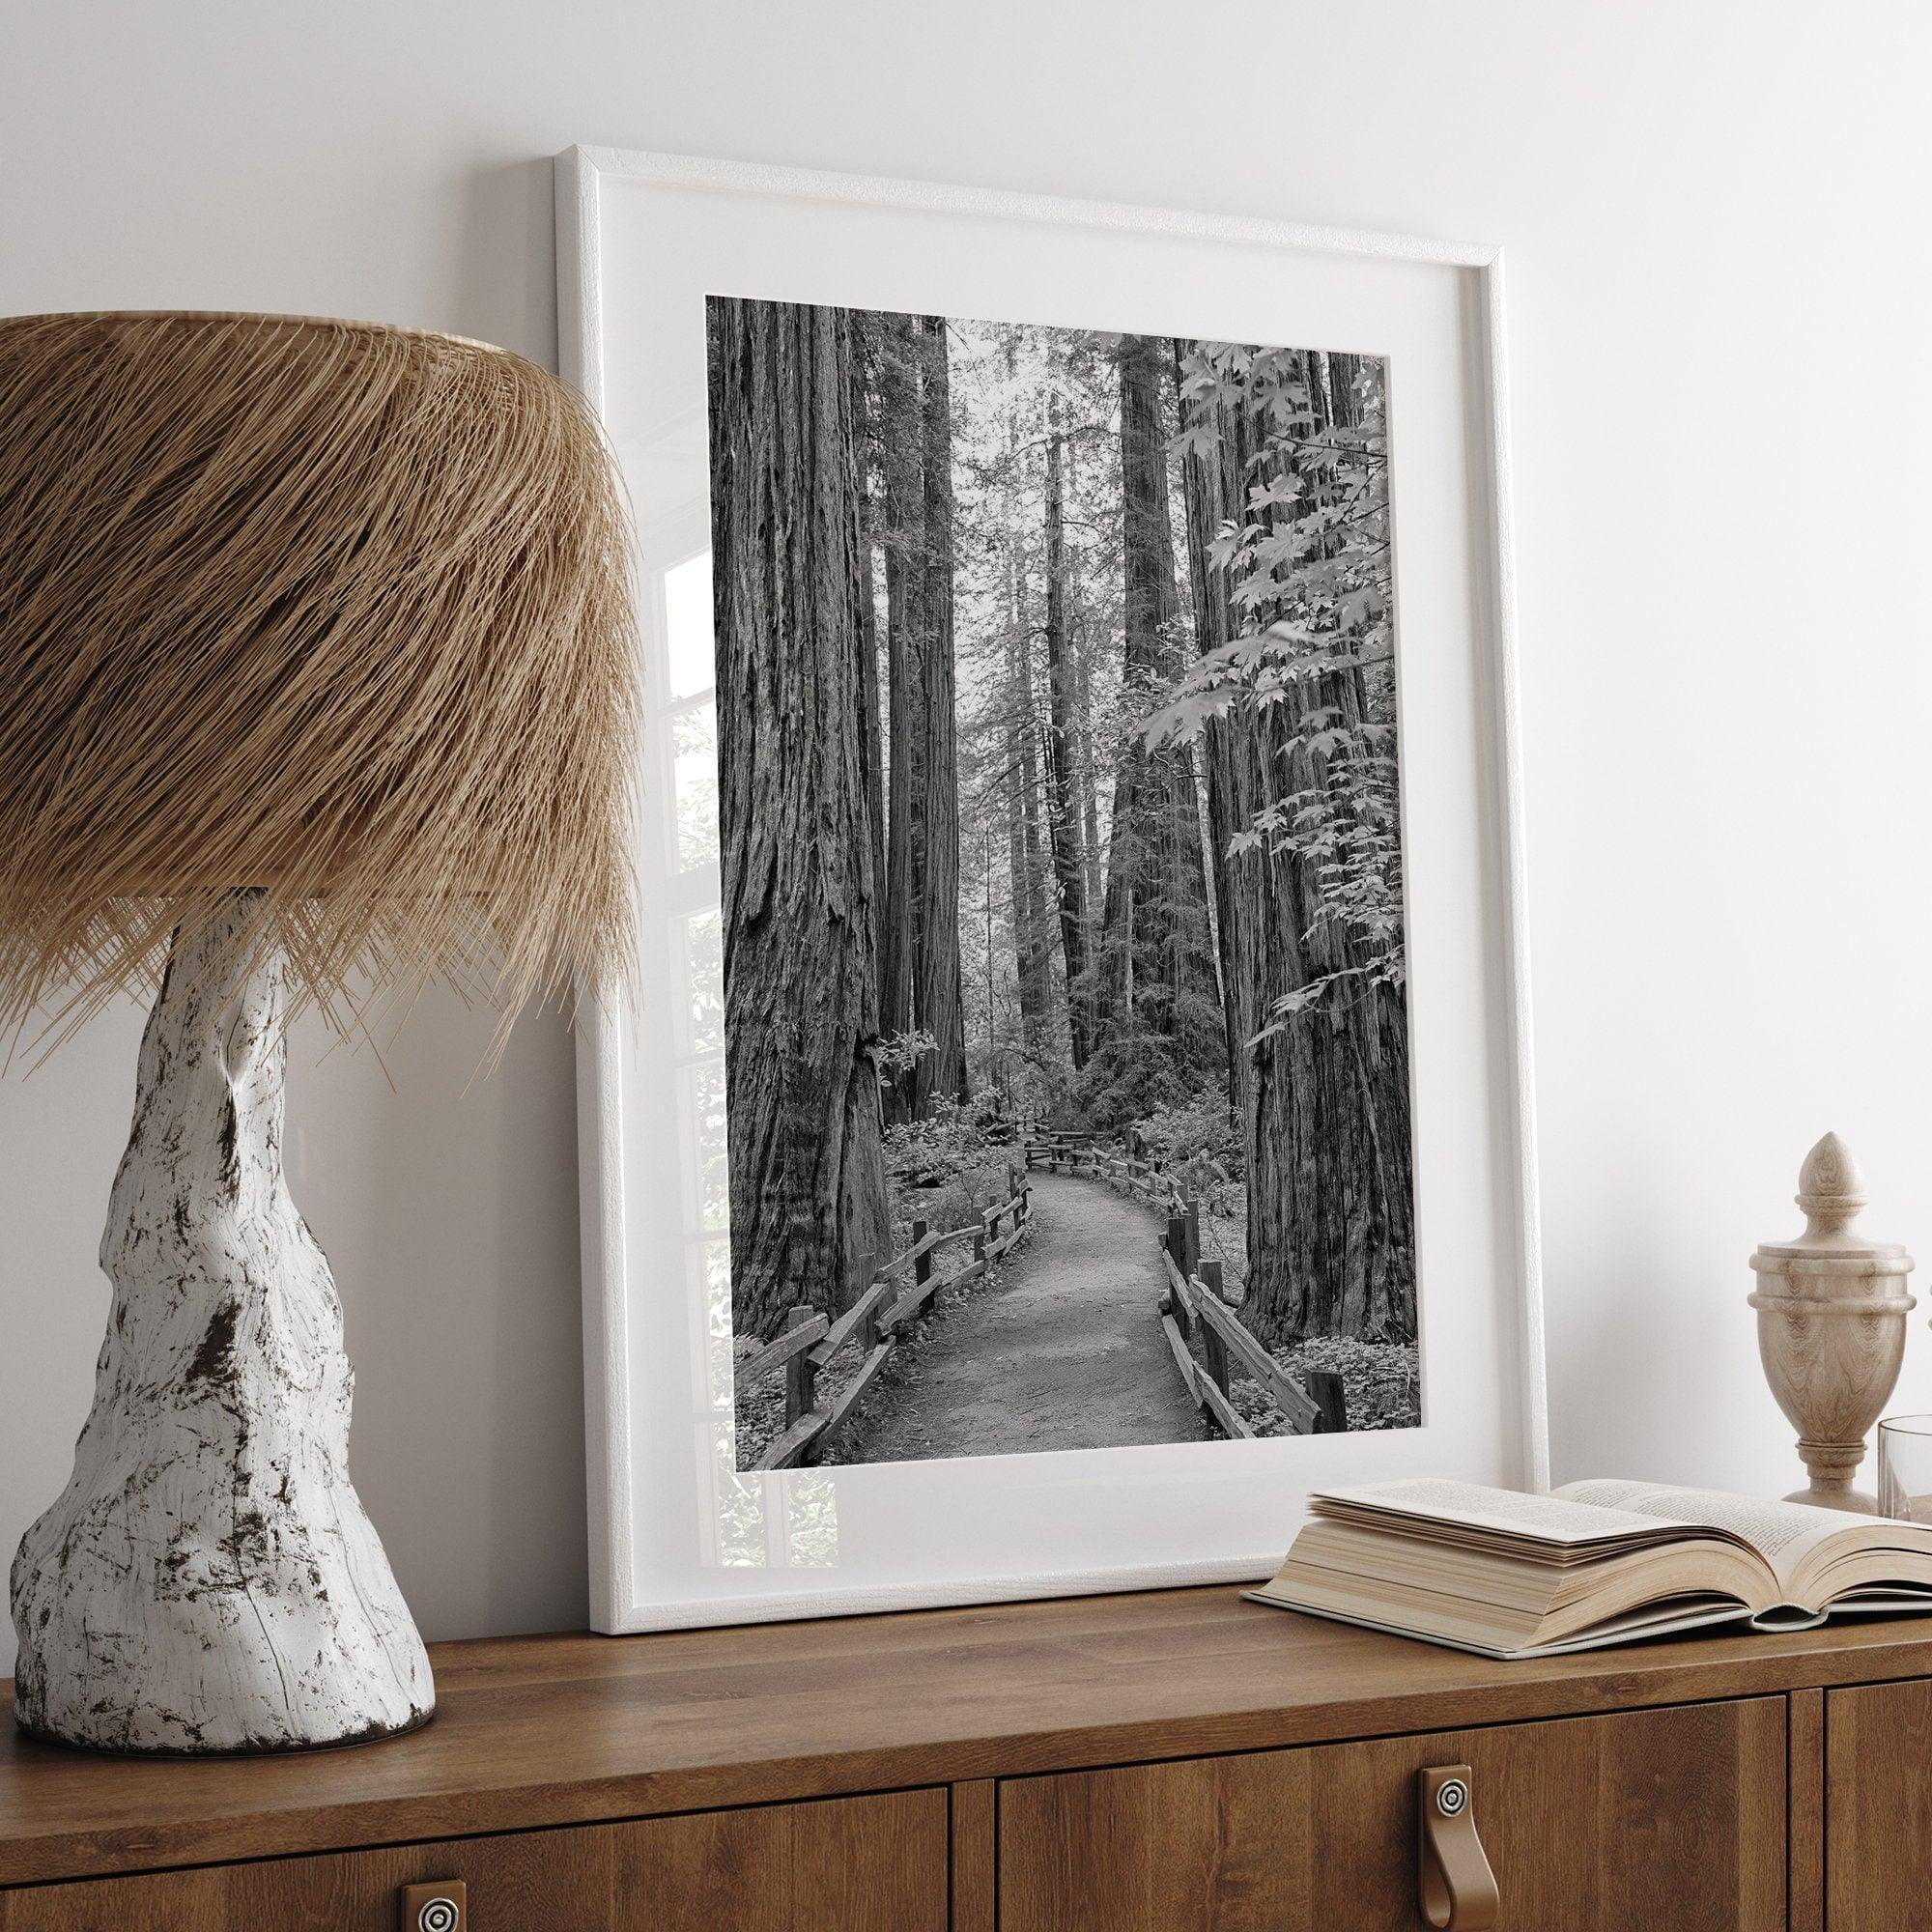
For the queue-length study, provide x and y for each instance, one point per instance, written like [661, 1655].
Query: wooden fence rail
[1193, 1303]
[1121, 1166]
[810, 1340]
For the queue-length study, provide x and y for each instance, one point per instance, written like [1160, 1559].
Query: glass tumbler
[1905, 1468]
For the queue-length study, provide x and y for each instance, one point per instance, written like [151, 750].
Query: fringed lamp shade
[334, 611]
[317, 675]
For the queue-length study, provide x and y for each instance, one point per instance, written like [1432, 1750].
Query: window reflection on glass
[693, 759]
[738, 1506]
[758, 1519]
[714, 1262]
[689, 665]
[701, 1099]
[700, 964]
[762, 1520]
[811, 1519]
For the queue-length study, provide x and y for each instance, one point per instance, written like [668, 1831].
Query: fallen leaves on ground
[1379, 1378]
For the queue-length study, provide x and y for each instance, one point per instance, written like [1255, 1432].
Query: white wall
[1714, 211]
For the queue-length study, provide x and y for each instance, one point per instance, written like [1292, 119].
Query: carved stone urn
[1831, 1326]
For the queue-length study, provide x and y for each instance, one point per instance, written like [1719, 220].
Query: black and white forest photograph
[1067, 1067]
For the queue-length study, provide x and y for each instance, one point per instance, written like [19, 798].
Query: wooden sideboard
[1170, 1762]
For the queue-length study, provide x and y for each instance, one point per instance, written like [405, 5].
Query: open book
[1590, 1564]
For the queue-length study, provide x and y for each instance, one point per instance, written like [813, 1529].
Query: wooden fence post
[921, 1269]
[801, 1376]
[1190, 1221]
[1325, 1386]
[1212, 1341]
[979, 1246]
[1176, 1243]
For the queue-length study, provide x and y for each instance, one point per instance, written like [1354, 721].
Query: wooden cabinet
[1878, 1808]
[853, 1865]
[1659, 1818]
[1175, 1761]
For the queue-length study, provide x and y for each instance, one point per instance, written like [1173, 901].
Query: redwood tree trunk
[1156, 970]
[1032, 934]
[865, 430]
[904, 545]
[1029, 913]
[800, 891]
[1210, 485]
[1324, 1100]
[1063, 801]
[936, 952]
[1081, 642]
[920, 968]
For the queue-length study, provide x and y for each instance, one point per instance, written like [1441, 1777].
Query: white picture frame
[641, 239]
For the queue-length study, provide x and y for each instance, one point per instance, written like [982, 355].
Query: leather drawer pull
[1455, 1886]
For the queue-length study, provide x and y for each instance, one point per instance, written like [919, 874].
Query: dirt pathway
[1064, 1352]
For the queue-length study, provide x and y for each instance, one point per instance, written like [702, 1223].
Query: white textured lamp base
[207, 1580]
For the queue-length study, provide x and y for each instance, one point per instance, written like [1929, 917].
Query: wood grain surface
[974, 1857]
[1878, 1808]
[1659, 1818]
[1805, 1785]
[849, 1864]
[570, 1730]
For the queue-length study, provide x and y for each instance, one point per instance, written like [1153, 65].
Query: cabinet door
[1878, 1808]
[847, 1864]
[1652, 1819]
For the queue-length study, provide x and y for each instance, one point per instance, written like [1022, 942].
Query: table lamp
[318, 682]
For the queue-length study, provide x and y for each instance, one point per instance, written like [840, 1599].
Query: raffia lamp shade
[335, 610]
[317, 679]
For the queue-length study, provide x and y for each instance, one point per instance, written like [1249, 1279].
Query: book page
[1560, 1518]
[1663, 1620]
[1782, 1533]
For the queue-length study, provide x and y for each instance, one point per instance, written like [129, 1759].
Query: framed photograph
[1075, 1098]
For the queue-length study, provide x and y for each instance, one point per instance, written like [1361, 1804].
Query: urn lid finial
[1832, 1191]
